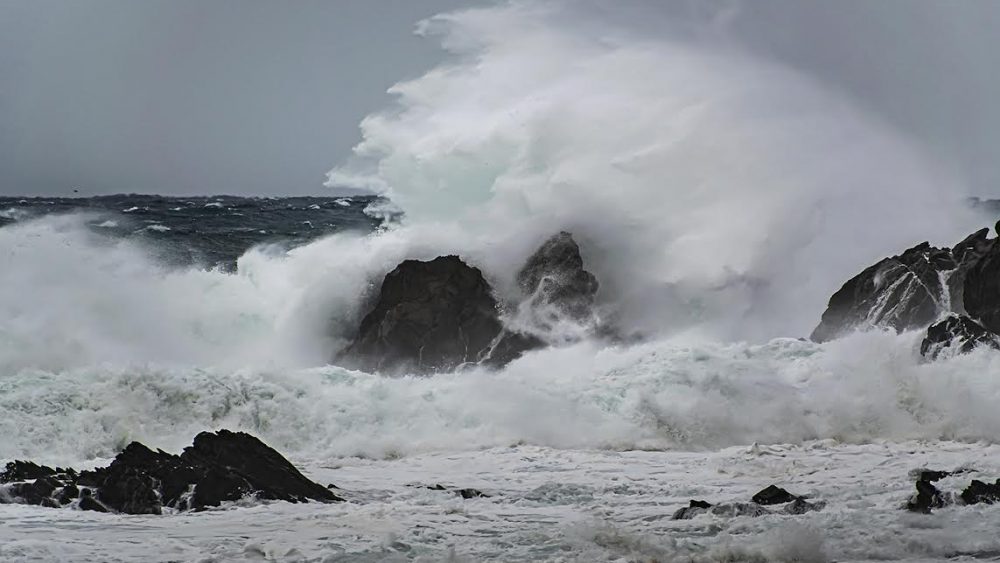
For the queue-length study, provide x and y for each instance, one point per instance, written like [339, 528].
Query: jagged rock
[902, 292]
[556, 284]
[773, 495]
[957, 332]
[980, 492]
[222, 466]
[430, 316]
[966, 255]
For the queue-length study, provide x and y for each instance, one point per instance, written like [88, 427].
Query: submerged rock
[958, 333]
[901, 293]
[927, 497]
[694, 508]
[980, 492]
[218, 467]
[429, 317]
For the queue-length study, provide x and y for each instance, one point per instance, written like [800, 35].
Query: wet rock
[801, 506]
[218, 467]
[958, 333]
[471, 493]
[901, 293]
[980, 492]
[557, 284]
[927, 498]
[773, 495]
[981, 289]
[694, 508]
[24, 471]
[429, 317]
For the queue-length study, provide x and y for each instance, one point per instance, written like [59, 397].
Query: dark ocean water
[208, 231]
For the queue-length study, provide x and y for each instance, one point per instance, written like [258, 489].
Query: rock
[966, 255]
[694, 508]
[801, 506]
[901, 293]
[958, 333]
[429, 317]
[471, 493]
[773, 495]
[24, 471]
[556, 284]
[981, 289]
[927, 498]
[980, 492]
[218, 467]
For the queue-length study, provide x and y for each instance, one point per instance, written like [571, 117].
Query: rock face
[224, 466]
[921, 286]
[957, 332]
[430, 316]
[902, 292]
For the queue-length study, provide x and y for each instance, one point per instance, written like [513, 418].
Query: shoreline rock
[218, 467]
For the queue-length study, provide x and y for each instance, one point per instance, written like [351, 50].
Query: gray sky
[262, 97]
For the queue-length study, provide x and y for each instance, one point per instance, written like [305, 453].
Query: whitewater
[720, 198]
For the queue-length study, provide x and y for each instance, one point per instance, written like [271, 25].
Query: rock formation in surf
[429, 317]
[218, 467]
[954, 293]
[438, 315]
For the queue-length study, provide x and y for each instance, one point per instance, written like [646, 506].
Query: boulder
[901, 293]
[958, 333]
[222, 466]
[980, 492]
[429, 317]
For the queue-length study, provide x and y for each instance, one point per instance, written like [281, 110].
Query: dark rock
[957, 332]
[429, 317]
[773, 495]
[218, 467]
[24, 471]
[88, 502]
[927, 498]
[556, 283]
[510, 346]
[471, 493]
[901, 293]
[694, 508]
[930, 475]
[980, 492]
[981, 289]
[239, 461]
[966, 255]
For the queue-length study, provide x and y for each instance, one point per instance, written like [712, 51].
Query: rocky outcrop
[902, 293]
[438, 315]
[556, 284]
[954, 292]
[959, 334]
[429, 317]
[218, 467]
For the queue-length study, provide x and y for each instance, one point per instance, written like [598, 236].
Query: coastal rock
[222, 466]
[958, 333]
[981, 288]
[980, 492]
[429, 317]
[927, 497]
[773, 495]
[901, 293]
[557, 285]
[694, 508]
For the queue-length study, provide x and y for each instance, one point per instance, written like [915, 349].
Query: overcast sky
[263, 97]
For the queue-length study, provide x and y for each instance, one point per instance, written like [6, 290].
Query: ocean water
[719, 198]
